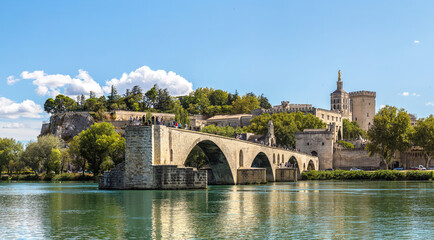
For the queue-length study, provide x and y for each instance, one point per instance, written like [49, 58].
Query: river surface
[302, 210]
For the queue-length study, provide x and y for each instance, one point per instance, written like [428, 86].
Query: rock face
[67, 125]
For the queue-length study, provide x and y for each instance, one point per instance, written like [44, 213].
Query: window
[323, 143]
[322, 116]
[367, 114]
[308, 144]
[328, 117]
[333, 118]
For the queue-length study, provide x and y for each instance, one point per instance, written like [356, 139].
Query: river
[301, 210]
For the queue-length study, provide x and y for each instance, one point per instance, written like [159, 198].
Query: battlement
[363, 94]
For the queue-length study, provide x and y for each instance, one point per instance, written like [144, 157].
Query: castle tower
[363, 108]
[340, 100]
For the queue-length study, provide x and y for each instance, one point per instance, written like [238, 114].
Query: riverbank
[390, 175]
[49, 177]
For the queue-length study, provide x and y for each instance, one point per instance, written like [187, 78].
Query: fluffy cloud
[146, 78]
[11, 80]
[83, 83]
[406, 94]
[430, 104]
[416, 41]
[26, 109]
[54, 84]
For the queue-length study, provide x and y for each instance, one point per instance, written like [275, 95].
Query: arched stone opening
[274, 158]
[219, 171]
[314, 153]
[310, 165]
[293, 163]
[261, 161]
[241, 158]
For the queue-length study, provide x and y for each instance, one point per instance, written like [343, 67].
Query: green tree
[151, 95]
[263, 102]
[196, 158]
[40, 154]
[74, 152]
[424, 137]
[351, 130]
[9, 153]
[50, 106]
[285, 125]
[390, 133]
[245, 104]
[219, 97]
[164, 100]
[97, 143]
[226, 131]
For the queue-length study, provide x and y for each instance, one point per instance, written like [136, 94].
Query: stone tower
[363, 108]
[340, 100]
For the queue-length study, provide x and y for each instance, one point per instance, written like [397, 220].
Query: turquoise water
[302, 210]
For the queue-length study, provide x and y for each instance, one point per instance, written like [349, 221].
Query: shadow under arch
[293, 163]
[311, 165]
[261, 161]
[219, 171]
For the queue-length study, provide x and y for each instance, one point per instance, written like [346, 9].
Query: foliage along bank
[366, 175]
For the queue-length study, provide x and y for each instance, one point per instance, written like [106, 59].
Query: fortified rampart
[355, 157]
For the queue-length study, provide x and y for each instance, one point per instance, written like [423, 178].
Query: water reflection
[293, 210]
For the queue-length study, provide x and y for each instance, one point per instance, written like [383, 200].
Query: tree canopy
[424, 137]
[285, 125]
[100, 145]
[390, 133]
[352, 130]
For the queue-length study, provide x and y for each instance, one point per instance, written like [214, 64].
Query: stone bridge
[157, 145]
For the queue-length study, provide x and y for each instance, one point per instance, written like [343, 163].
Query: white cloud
[406, 94]
[382, 106]
[416, 41]
[11, 80]
[12, 125]
[146, 78]
[54, 84]
[26, 109]
[83, 83]
[430, 104]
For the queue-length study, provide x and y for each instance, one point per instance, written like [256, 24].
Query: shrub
[390, 175]
[346, 144]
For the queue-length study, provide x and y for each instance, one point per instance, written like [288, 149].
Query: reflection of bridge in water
[148, 147]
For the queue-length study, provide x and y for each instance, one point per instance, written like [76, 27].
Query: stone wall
[251, 175]
[319, 142]
[286, 174]
[125, 115]
[356, 157]
[113, 179]
[174, 177]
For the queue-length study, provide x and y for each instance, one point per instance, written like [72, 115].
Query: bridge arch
[261, 161]
[217, 160]
[310, 165]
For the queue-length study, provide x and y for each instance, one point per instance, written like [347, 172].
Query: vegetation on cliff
[206, 101]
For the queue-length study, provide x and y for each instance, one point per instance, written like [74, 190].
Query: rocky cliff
[67, 125]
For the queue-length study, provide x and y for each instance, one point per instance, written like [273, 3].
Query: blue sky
[287, 50]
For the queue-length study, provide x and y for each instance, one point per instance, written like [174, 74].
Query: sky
[286, 50]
